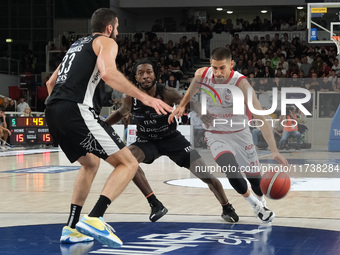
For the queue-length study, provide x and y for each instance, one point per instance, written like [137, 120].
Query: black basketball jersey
[150, 125]
[78, 75]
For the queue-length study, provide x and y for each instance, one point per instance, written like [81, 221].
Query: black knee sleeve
[229, 165]
[255, 181]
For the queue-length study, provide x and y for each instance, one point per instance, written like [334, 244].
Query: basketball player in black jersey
[156, 137]
[83, 137]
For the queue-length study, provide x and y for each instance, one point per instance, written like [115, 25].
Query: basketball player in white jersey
[231, 144]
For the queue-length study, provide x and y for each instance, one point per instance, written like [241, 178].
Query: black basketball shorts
[176, 147]
[78, 130]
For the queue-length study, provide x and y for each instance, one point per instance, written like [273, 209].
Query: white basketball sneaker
[263, 213]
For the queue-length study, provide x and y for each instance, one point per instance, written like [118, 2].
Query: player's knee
[131, 165]
[208, 181]
[92, 166]
[137, 153]
[229, 165]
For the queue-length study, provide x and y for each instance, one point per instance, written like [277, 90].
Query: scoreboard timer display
[29, 131]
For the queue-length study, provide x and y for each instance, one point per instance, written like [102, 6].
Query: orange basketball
[275, 184]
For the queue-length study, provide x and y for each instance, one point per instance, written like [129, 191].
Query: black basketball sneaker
[157, 211]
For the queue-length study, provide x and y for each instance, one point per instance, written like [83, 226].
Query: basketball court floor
[36, 188]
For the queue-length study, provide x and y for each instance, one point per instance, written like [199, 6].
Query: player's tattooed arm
[121, 112]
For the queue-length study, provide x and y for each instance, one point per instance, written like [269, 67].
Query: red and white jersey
[225, 121]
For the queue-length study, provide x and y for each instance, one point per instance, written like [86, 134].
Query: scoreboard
[29, 131]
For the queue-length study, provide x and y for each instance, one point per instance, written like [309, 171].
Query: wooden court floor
[32, 198]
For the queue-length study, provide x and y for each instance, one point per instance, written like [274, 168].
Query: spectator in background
[325, 85]
[284, 63]
[277, 83]
[332, 77]
[218, 27]
[278, 128]
[164, 75]
[317, 65]
[291, 128]
[11, 107]
[275, 61]
[229, 27]
[267, 72]
[294, 82]
[305, 66]
[5, 104]
[302, 128]
[263, 47]
[325, 69]
[257, 131]
[314, 83]
[336, 66]
[279, 73]
[336, 86]
[27, 112]
[22, 105]
[284, 26]
[175, 67]
[4, 131]
[172, 82]
[238, 26]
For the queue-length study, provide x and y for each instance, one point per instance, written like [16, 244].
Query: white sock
[263, 200]
[252, 200]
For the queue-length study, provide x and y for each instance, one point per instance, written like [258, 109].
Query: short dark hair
[221, 54]
[142, 61]
[101, 18]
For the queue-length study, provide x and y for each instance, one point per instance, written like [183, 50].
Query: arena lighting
[219, 9]
[230, 12]
[300, 7]
[264, 11]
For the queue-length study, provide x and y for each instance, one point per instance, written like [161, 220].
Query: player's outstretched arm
[51, 81]
[266, 128]
[125, 109]
[106, 49]
[179, 111]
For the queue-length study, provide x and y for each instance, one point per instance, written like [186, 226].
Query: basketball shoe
[77, 248]
[157, 211]
[71, 235]
[99, 230]
[229, 214]
[263, 213]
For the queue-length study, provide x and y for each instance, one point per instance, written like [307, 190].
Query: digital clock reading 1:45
[27, 122]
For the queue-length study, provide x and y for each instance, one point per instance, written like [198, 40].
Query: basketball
[275, 184]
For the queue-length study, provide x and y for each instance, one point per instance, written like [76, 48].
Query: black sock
[100, 207]
[225, 206]
[152, 199]
[74, 215]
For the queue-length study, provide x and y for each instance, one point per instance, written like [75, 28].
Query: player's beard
[148, 87]
[113, 36]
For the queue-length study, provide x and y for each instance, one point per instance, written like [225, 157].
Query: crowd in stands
[21, 107]
[268, 59]
[217, 26]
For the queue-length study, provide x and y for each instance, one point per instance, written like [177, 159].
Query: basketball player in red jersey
[231, 144]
